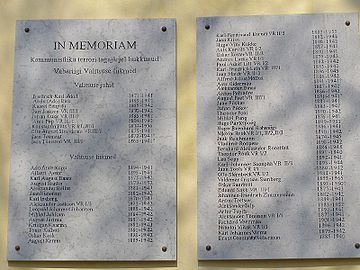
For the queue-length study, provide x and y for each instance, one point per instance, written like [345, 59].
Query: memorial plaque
[93, 141]
[278, 136]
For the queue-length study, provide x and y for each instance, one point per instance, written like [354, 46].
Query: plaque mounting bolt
[208, 247]
[347, 23]
[27, 30]
[164, 249]
[17, 248]
[357, 245]
[207, 27]
[163, 28]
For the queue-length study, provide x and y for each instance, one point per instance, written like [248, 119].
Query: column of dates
[141, 117]
[140, 203]
[329, 149]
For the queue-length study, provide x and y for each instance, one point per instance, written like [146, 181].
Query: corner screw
[208, 247]
[164, 249]
[163, 28]
[347, 23]
[207, 27]
[27, 30]
[17, 248]
[357, 245]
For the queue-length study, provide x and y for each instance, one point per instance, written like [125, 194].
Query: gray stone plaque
[278, 146]
[93, 141]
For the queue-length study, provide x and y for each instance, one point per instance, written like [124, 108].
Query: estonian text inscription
[93, 148]
[275, 149]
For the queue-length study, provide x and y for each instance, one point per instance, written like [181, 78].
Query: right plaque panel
[278, 137]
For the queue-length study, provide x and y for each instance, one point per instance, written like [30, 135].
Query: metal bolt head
[17, 248]
[208, 247]
[164, 249]
[163, 28]
[357, 245]
[207, 27]
[27, 30]
[347, 23]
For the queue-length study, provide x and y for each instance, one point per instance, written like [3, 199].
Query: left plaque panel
[93, 161]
